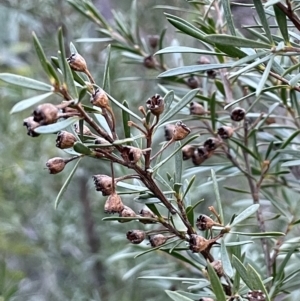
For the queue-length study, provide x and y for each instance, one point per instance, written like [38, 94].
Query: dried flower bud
[200, 155]
[31, 125]
[153, 41]
[56, 165]
[169, 129]
[126, 212]
[197, 109]
[180, 131]
[113, 204]
[45, 113]
[85, 131]
[99, 98]
[187, 152]
[211, 74]
[156, 104]
[212, 143]
[100, 140]
[136, 236]
[225, 132]
[256, 296]
[104, 184]
[204, 222]
[238, 114]
[149, 62]
[133, 154]
[203, 60]
[206, 299]
[157, 240]
[198, 243]
[65, 139]
[77, 62]
[218, 267]
[193, 82]
[146, 213]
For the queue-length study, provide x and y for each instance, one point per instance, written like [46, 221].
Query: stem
[183, 216]
[162, 149]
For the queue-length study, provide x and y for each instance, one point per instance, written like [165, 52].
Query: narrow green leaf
[259, 235]
[265, 76]
[126, 118]
[178, 223]
[194, 206]
[225, 260]
[244, 148]
[236, 189]
[62, 52]
[26, 103]
[178, 163]
[245, 214]
[106, 77]
[228, 16]
[250, 58]
[212, 108]
[216, 284]
[153, 208]
[168, 99]
[235, 41]
[80, 148]
[282, 23]
[182, 103]
[256, 281]
[40, 52]
[242, 271]
[177, 297]
[54, 79]
[56, 127]
[66, 184]
[217, 194]
[193, 69]
[95, 14]
[291, 163]
[190, 214]
[190, 184]
[26, 82]
[160, 45]
[184, 49]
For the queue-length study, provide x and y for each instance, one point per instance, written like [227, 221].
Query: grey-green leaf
[245, 214]
[216, 283]
[177, 297]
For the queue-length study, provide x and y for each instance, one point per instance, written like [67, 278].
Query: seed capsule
[146, 213]
[187, 152]
[126, 212]
[206, 299]
[133, 154]
[77, 62]
[156, 104]
[203, 60]
[56, 165]
[149, 62]
[157, 240]
[85, 131]
[103, 141]
[256, 296]
[211, 144]
[193, 82]
[104, 184]
[204, 222]
[99, 98]
[180, 131]
[153, 41]
[113, 204]
[169, 129]
[136, 236]
[225, 132]
[196, 109]
[198, 243]
[200, 155]
[238, 114]
[45, 113]
[218, 267]
[65, 139]
[31, 125]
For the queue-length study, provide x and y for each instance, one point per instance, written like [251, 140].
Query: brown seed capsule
[187, 152]
[56, 165]
[77, 62]
[65, 139]
[156, 104]
[31, 125]
[200, 155]
[153, 41]
[45, 113]
[218, 267]
[211, 74]
[104, 184]
[149, 62]
[238, 114]
[157, 240]
[85, 131]
[103, 141]
[99, 98]
[203, 60]
[136, 236]
[198, 243]
[146, 213]
[225, 132]
[256, 296]
[204, 222]
[193, 82]
[126, 212]
[180, 131]
[113, 204]
[206, 299]
[133, 154]
[197, 109]
[169, 129]
[211, 144]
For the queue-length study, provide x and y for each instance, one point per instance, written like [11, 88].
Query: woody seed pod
[103, 141]
[156, 104]
[180, 131]
[169, 128]
[56, 165]
[206, 299]
[113, 204]
[203, 60]
[149, 62]
[146, 213]
[85, 131]
[77, 62]
[136, 236]
[225, 132]
[256, 296]
[200, 155]
[218, 267]
[211, 144]
[104, 184]
[187, 152]
[238, 114]
[157, 240]
[196, 109]
[198, 243]
[99, 98]
[204, 222]
[65, 139]
[211, 74]
[31, 125]
[153, 41]
[46, 113]
[126, 212]
[133, 154]
[193, 82]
